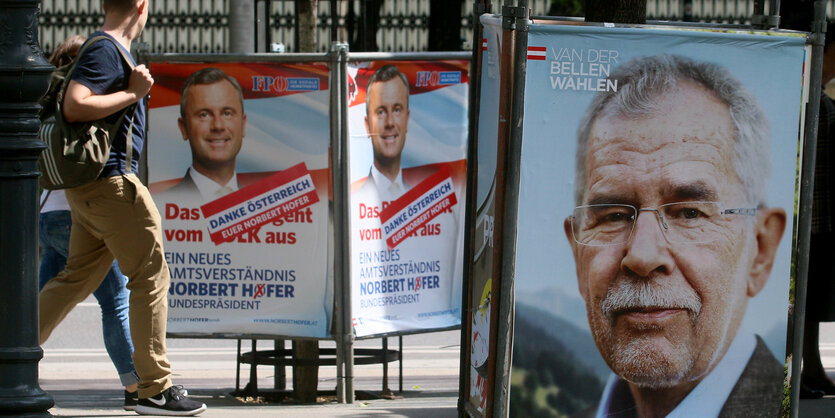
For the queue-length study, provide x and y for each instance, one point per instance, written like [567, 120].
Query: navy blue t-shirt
[103, 70]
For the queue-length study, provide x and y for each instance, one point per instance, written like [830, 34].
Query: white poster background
[770, 67]
[287, 258]
[437, 134]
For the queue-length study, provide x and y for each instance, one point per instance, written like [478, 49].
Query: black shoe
[130, 400]
[808, 393]
[170, 402]
[824, 385]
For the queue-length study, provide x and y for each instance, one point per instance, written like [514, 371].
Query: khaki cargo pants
[116, 216]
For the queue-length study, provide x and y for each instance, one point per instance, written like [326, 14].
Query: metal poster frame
[338, 234]
[470, 221]
[335, 252]
[807, 185]
[345, 210]
[500, 325]
[342, 322]
[515, 27]
[325, 58]
[387, 56]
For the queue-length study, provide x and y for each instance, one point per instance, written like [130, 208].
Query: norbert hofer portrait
[671, 236]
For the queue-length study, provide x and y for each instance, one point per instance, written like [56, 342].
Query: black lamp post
[24, 76]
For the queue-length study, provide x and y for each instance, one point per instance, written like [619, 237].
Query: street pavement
[79, 376]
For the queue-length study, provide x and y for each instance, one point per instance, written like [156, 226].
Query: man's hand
[140, 81]
[82, 105]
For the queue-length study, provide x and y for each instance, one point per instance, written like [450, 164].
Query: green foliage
[547, 380]
[566, 8]
[785, 407]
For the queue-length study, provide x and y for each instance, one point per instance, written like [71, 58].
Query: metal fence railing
[202, 26]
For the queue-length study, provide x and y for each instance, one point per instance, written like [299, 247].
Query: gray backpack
[76, 152]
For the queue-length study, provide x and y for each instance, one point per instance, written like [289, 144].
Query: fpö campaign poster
[655, 258]
[407, 122]
[238, 167]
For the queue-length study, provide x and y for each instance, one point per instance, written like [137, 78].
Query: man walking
[115, 216]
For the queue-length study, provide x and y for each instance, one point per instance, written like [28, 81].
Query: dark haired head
[119, 6]
[66, 52]
[386, 73]
[210, 75]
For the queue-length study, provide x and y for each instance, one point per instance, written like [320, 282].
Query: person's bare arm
[82, 105]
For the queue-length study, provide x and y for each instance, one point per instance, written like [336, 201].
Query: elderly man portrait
[671, 236]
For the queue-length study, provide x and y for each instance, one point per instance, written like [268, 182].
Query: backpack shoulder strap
[84, 47]
[124, 54]
[127, 60]
[129, 138]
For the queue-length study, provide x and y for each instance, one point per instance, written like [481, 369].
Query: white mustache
[627, 295]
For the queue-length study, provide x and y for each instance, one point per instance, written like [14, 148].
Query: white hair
[642, 80]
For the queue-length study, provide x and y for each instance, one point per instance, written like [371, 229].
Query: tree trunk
[306, 378]
[306, 15]
[445, 25]
[616, 11]
[369, 22]
[241, 35]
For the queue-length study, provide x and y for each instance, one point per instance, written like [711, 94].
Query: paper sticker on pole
[249, 208]
[424, 202]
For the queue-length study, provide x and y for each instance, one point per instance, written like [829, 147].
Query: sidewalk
[96, 393]
[413, 404]
[83, 384]
[817, 408]
[81, 379]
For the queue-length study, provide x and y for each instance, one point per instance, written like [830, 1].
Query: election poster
[655, 219]
[238, 168]
[481, 296]
[407, 123]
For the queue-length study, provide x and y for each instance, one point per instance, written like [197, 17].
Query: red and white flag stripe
[536, 53]
[483, 44]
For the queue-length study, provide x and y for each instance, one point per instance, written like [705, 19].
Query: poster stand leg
[386, 389]
[384, 356]
[252, 387]
[280, 374]
[281, 357]
[338, 129]
[400, 361]
[340, 377]
[349, 368]
[238, 368]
